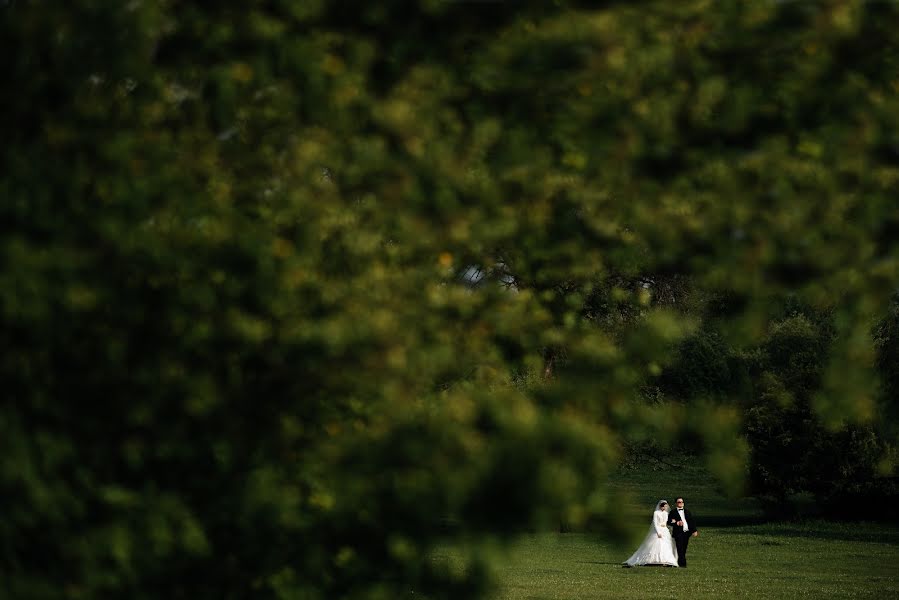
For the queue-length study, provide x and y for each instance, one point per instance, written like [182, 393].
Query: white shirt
[680, 511]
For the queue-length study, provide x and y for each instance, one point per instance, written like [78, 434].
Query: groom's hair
[676, 498]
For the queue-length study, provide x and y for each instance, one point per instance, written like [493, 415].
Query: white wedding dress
[656, 550]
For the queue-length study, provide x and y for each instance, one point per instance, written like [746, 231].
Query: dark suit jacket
[674, 517]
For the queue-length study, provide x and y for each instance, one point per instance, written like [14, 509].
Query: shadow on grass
[829, 530]
[725, 521]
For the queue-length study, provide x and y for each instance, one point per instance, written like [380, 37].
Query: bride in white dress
[658, 546]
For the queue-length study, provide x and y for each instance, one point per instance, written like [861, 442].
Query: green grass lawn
[737, 555]
[810, 560]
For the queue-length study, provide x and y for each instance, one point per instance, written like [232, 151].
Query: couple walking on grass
[664, 547]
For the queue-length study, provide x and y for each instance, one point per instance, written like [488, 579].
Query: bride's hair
[661, 504]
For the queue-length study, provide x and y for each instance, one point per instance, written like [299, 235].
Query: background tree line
[239, 358]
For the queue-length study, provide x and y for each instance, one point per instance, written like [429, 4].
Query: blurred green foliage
[795, 448]
[240, 359]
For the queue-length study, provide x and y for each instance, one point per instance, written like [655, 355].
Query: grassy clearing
[738, 554]
[810, 560]
[640, 489]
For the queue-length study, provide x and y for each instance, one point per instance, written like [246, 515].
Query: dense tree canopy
[241, 357]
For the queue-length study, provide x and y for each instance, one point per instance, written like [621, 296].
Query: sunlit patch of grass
[737, 555]
[815, 560]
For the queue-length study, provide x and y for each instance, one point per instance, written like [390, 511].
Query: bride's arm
[659, 518]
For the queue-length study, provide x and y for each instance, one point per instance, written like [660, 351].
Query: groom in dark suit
[683, 527]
